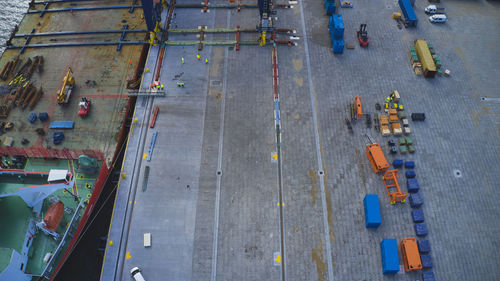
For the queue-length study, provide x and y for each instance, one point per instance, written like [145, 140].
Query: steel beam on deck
[213, 43]
[83, 9]
[61, 1]
[79, 33]
[53, 45]
[210, 6]
[147, 94]
[210, 30]
[228, 6]
[225, 30]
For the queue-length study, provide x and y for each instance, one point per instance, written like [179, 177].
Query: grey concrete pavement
[460, 133]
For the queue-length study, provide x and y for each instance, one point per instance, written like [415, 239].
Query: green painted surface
[16, 214]
[13, 222]
[5, 254]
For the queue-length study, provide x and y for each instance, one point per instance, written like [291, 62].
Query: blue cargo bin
[424, 246]
[412, 185]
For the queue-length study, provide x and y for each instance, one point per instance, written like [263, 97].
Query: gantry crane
[266, 21]
[152, 14]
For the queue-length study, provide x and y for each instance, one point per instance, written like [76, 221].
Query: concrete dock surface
[212, 201]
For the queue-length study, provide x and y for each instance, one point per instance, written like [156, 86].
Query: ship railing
[49, 266]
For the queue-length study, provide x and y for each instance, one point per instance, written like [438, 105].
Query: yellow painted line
[26, 165]
[131, 130]
[85, 179]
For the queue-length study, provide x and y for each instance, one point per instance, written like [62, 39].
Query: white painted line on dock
[219, 160]
[318, 147]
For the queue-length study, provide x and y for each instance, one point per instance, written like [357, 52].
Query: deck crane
[266, 21]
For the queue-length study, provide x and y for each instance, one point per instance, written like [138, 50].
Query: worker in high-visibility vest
[395, 105]
[182, 60]
[206, 61]
[388, 99]
[400, 107]
[198, 56]
[386, 105]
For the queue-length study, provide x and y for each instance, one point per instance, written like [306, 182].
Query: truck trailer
[408, 12]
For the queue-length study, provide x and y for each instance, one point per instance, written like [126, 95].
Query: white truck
[433, 9]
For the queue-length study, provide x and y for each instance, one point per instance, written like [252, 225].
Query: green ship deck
[16, 214]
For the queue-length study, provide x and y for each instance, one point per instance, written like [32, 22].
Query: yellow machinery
[396, 16]
[262, 39]
[67, 87]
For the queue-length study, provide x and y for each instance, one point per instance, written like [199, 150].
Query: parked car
[437, 18]
[136, 274]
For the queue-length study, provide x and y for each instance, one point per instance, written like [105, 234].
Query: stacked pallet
[336, 27]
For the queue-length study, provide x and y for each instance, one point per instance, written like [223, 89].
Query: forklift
[363, 36]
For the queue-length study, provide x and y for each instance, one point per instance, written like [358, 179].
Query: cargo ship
[64, 104]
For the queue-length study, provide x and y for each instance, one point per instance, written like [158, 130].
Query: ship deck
[101, 73]
[16, 215]
[212, 200]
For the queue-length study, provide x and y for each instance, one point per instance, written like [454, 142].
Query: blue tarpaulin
[62, 125]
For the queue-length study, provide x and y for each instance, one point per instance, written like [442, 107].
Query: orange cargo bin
[411, 256]
[359, 112]
[377, 158]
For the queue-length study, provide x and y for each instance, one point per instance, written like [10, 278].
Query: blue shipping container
[337, 25]
[328, 1]
[408, 12]
[330, 8]
[390, 258]
[372, 211]
[338, 46]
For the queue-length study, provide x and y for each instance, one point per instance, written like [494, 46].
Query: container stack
[330, 7]
[336, 27]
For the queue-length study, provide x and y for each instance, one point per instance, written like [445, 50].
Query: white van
[437, 18]
[136, 273]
